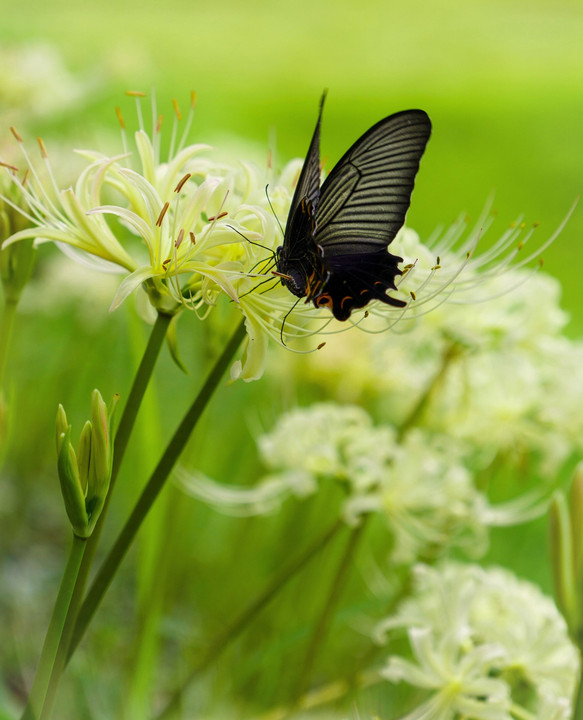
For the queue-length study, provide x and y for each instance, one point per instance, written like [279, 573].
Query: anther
[135, 93]
[413, 296]
[320, 346]
[162, 213]
[178, 188]
[43, 150]
[10, 167]
[179, 239]
[193, 99]
[192, 238]
[16, 135]
[219, 216]
[121, 121]
[176, 109]
[159, 124]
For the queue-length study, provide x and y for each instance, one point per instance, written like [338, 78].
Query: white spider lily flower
[484, 644]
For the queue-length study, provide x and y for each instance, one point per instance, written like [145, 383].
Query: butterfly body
[334, 251]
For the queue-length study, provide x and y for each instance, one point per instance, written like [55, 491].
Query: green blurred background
[503, 84]
[502, 81]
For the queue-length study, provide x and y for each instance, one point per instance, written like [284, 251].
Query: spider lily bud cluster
[85, 475]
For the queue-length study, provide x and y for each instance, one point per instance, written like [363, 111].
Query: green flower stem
[43, 686]
[321, 628]
[124, 430]
[450, 354]
[6, 327]
[155, 484]
[239, 623]
[121, 440]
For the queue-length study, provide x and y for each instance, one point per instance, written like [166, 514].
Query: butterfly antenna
[285, 318]
[263, 282]
[272, 210]
[252, 242]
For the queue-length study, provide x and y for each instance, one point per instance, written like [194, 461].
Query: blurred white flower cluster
[35, 82]
[484, 645]
[419, 483]
[490, 366]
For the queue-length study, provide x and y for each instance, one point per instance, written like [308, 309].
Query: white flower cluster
[484, 645]
[188, 228]
[419, 483]
[491, 364]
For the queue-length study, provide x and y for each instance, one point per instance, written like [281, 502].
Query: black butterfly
[334, 250]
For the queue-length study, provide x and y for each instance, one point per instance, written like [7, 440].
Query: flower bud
[73, 494]
[85, 476]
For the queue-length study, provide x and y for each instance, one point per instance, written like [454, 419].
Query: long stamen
[189, 119]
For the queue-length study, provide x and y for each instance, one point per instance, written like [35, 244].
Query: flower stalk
[152, 490]
[566, 541]
[39, 704]
[241, 621]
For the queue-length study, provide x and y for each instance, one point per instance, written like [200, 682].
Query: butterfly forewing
[307, 190]
[364, 200]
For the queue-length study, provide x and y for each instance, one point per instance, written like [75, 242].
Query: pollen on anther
[135, 93]
[121, 121]
[178, 188]
[16, 135]
[320, 346]
[192, 237]
[413, 296]
[179, 239]
[162, 213]
[176, 109]
[43, 150]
